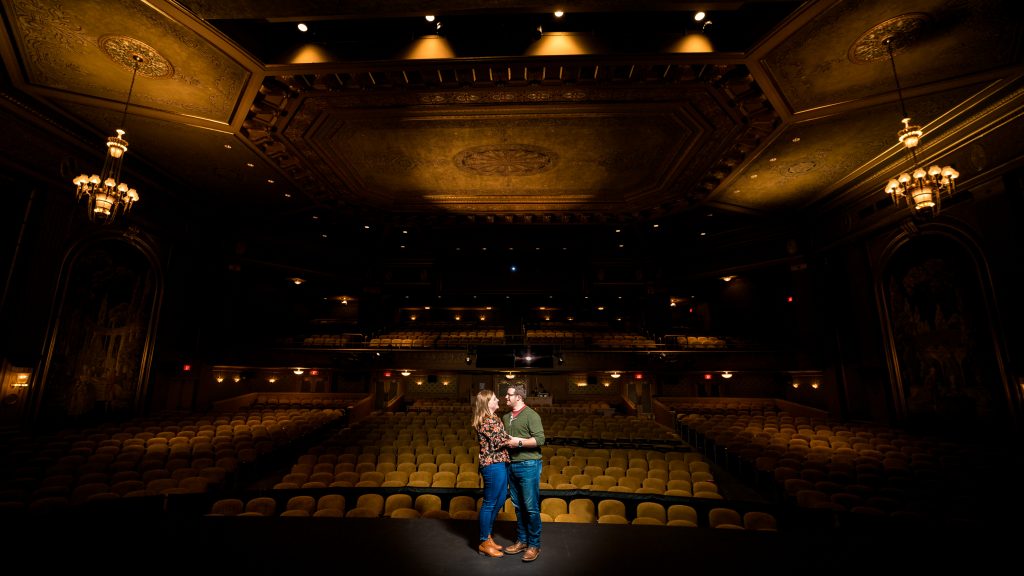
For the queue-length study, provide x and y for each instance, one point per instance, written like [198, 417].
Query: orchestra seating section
[837, 472]
[752, 464]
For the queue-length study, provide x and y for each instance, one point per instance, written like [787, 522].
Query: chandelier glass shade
[107, 197]
[919, 188]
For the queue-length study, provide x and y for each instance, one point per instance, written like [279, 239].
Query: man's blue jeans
[495, 478]
[524, 486]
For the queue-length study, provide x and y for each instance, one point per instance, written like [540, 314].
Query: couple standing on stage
[510, 463]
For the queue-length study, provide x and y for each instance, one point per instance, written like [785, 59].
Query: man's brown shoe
[495, 544]
[515, 548]
[488, 547]
[531, 554]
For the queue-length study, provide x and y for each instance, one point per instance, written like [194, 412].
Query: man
[524, 426]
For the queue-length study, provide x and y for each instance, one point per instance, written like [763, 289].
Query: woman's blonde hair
[480, 406]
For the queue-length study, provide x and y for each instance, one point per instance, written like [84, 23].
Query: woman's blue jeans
[524, 485]
[495, 478]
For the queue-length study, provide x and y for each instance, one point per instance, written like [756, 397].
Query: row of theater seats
[438, 338]
[572, 422]
[464, 507]
[466, 338]
[439, 450]
[145, 457]
[670, 473]
[691, 342]
[334, 340]
[837, 469]
[542, 336]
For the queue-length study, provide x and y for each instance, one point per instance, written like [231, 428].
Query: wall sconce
[237, 378]
[444, 383]
[21, 379]
[272, 379]
[419, 382]
[796, 384]
[814, 385]
[219, 378]
[297, 281]
[728, 278]
[607, 384]
[581, 384]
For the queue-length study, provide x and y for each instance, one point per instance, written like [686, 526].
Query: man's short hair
[520, 390]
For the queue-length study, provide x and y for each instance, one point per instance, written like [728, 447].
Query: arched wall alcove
[102, 331]
[942, 332]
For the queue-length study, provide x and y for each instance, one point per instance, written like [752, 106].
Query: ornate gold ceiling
[797, 113]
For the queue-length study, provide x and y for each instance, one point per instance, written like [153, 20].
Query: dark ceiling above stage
[794, 110]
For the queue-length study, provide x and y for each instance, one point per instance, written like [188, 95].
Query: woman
[493, 463]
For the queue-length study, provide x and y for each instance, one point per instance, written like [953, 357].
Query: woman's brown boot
[489, 548]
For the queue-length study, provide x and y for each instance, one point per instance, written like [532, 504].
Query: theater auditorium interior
[754, 263]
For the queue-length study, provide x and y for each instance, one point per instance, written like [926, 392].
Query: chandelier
[109, 197]
[920, 188]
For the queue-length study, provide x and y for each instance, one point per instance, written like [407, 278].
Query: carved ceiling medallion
[506, 160]
[903, 29]
[123, 49]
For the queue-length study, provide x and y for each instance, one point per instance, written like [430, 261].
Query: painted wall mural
[941, 333]
[101, 335]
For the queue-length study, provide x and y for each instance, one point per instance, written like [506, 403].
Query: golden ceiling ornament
[904, 29]
[124, 50]
[506, 160]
